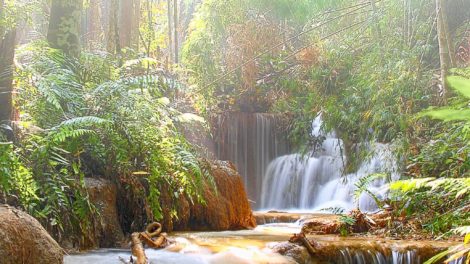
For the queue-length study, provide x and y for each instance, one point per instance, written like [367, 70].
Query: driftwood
[137, 249]
[300, 238]
[152, 237]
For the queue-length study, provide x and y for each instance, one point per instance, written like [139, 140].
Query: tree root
[300, 238]
[152, 237]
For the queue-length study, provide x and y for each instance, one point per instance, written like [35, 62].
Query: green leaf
[448, 114]
[460, 84]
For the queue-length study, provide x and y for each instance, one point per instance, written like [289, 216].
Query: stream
[244, 246]
[256, 246]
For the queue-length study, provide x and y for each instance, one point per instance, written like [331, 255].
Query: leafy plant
[440, 204]
[457, 111]
[363, 184]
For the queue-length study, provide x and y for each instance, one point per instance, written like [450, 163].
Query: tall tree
[64, 26]
[113, 41]
[129, 23]
[170, 31]
[7, 53]
[175, 28]
[443, 38]
[94, 29]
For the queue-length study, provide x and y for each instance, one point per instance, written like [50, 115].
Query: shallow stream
[255, 246]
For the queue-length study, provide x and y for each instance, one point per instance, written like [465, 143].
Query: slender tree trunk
[93, 27]
[114, 45]
[64, 26]
[7, 53]
[443, 45]
[170, 31]
[175, 29]
[125, 24]
[375, 11]
[135, 25]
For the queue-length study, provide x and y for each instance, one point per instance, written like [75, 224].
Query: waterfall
[315, 181]
[354, 256]
[276, 179]
[251, 142]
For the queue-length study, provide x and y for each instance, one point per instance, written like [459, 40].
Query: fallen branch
[137, 249]
[304, 241]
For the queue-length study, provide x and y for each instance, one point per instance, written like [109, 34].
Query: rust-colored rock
[103, 195]
[321, 224]
[228, 209]
[24, 240]
[296, 252]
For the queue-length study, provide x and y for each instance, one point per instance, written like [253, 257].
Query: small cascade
[315, 181]
[353, 256]
[251, 141]
[347, 256]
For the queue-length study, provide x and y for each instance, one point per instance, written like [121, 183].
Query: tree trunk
[175, 28]
[443, 45]
[64, 26]
[378, 31]
[93, 24]
[7, 52]
[125, 24]
[114, 45]
[170, 31]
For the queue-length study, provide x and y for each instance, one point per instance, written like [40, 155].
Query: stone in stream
[103, 195]
[24, 240]
[226, 209]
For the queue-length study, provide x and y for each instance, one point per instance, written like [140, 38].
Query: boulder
[103, 195]
[227, 208]
[24, 240]
[296, 252]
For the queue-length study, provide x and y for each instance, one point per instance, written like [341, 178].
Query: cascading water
[250, 141]
[275, 179]
[316, 181]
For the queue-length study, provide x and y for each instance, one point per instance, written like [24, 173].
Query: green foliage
[110, 122]
[455, 253]
[346, 223]
[363, 184]
[457, 111]
[440, 204]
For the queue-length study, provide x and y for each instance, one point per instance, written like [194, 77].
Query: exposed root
[152, 237]
[137, 249]
[300, 238]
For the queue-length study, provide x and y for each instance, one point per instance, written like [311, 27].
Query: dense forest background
[101, 88]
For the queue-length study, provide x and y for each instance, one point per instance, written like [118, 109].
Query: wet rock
[226, 209]
[298, 253]
[321, 224]
[103, 195]
[273, 217]
[24, 240]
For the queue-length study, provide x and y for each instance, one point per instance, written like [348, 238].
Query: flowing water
[245, 246]
[255, 246]
[277, 180]
[315, 181]
[251, 142]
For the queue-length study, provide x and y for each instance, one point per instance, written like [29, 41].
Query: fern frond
[363, 184]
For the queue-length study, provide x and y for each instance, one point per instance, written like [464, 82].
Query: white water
[250, 141]
[316, 181]
[256, 246]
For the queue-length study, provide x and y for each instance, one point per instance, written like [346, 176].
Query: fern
[458, 111]
[363, 184]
